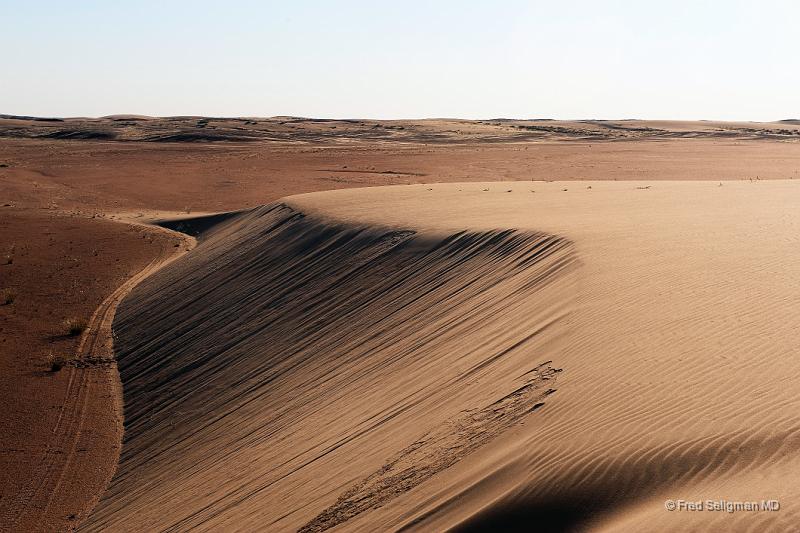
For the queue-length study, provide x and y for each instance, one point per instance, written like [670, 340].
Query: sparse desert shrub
[75, 326]
[8, 297]
[57, 362]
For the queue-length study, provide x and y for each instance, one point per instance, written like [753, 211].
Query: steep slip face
[293, 372]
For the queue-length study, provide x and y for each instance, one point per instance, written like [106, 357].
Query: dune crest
[289, 358]
[371, 359]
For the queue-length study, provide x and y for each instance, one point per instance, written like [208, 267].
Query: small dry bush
[7, 297]
[57, 362]
[75, 326]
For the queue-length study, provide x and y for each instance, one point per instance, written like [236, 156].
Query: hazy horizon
[410, 119]
[710, 60]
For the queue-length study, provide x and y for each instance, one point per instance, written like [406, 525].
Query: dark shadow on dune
[570, 500]
[553, 516]
[278, 325]
[439, 449]
[80, 134]
[196, 226]
[190, 137]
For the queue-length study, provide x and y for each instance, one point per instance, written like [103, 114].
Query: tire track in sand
[95, 354]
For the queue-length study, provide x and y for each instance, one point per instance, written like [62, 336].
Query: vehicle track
[95, 354]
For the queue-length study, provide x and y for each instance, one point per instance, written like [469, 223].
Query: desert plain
[291, 324]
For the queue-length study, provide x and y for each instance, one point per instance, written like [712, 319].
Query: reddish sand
[58, 196]
[97, 177]
[61, 431]
[478, 357]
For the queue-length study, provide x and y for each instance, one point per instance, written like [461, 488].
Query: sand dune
[61, 269]
[468, 356]
[318, 311]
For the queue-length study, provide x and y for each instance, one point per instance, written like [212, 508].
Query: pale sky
[727, 60]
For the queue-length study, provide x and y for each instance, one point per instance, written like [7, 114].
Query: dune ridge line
[288, 351]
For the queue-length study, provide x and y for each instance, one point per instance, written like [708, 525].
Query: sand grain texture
[61, 431]
[468, 356]
[61, 179]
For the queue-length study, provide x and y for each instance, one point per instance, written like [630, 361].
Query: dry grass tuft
[57, 362]
[8, 296]
[75, 326]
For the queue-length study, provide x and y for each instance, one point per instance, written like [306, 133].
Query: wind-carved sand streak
[281, 363]
[291, 351]
[439, 449]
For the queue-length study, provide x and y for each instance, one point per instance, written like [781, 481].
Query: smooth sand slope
[469, 356]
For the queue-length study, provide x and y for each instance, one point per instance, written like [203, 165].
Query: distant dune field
[437, 131]
[474, 356]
